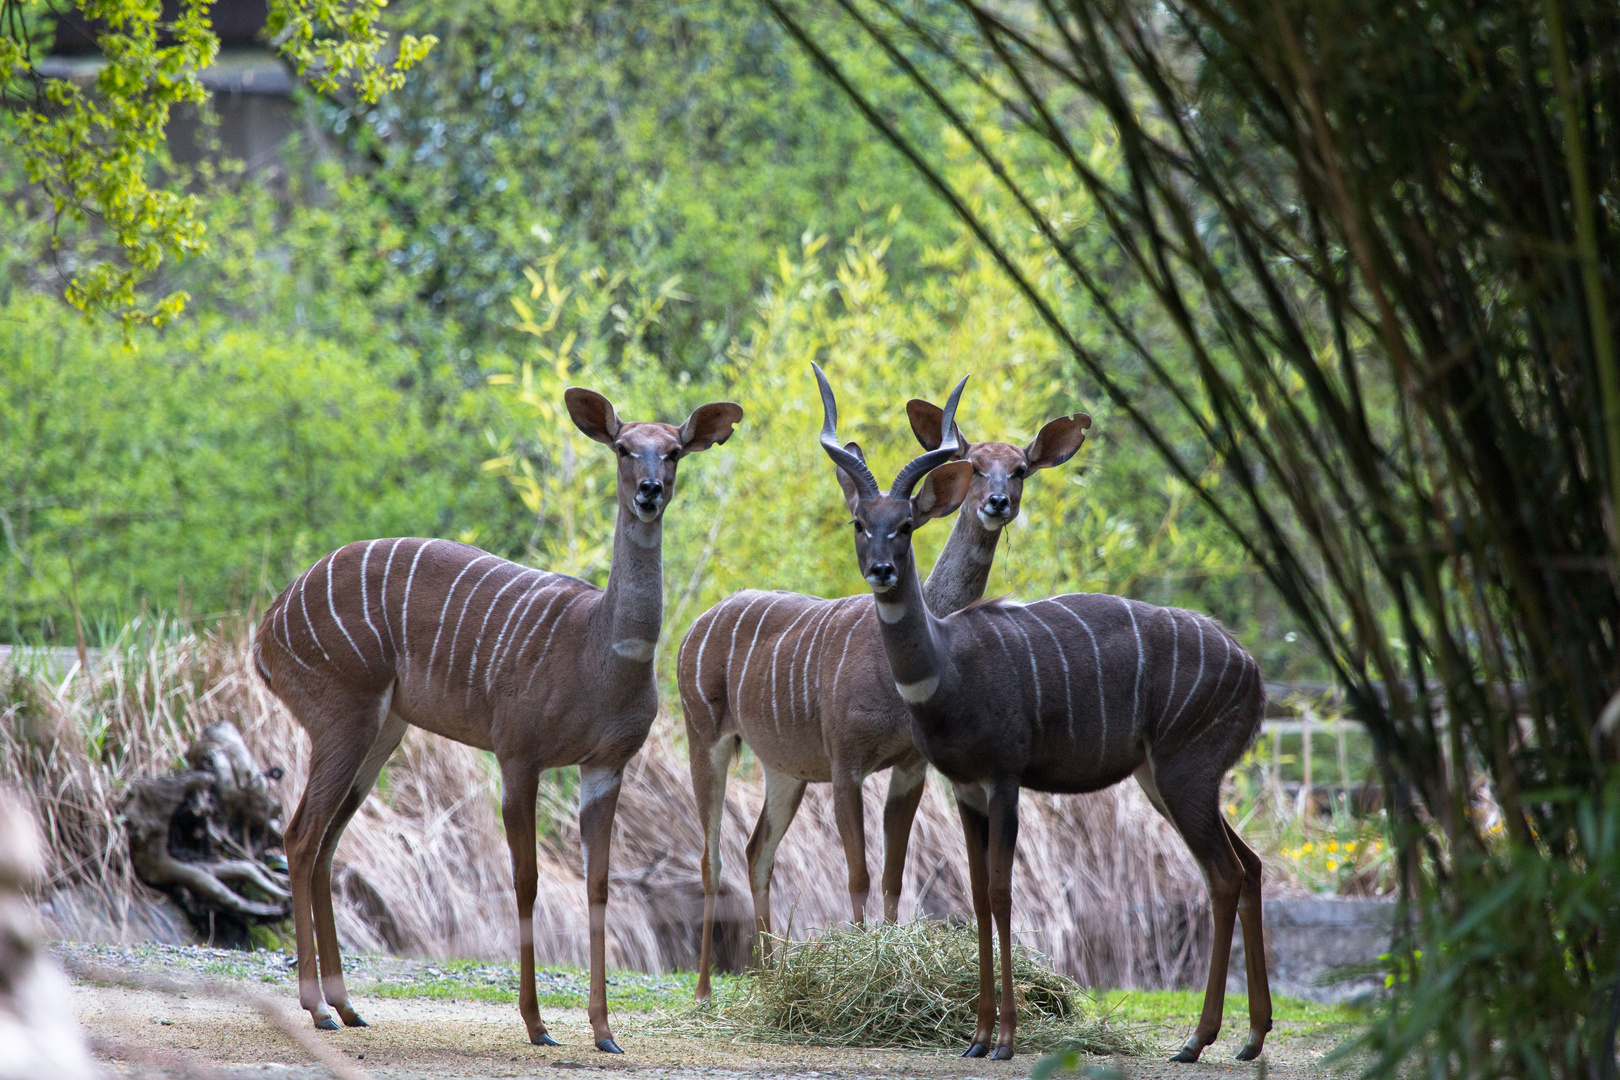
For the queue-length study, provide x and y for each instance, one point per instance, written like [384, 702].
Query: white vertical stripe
[1196, 679]
[304, 607]
[1068, 685]
[1034, 671]
[286, 629]
[1102, 701]
[449, 594]
[1136, 691]
[330, 606]
[730, 652]
[494, 659]
[830, 608]
[534, 594]
[540, 620]
[383, 601]
[472, 665]
[697, 677]
[850, 634]
[365, 600]
[450, 667]
[405, 604]
[755, 641]
[776, 720]
[547, 646]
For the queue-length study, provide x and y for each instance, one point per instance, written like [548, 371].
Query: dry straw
[908, 986]
[1102, 885]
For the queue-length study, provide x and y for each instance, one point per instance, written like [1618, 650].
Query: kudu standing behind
[801, 680]
[543, 669]
[1068, 694]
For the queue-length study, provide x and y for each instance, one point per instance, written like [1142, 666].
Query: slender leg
[1193, 806]
[899, 811]
[335, 760]
[782, 795]
[972, 808]
[850, 814]
[520, 785]
[598, 799]
[710, 770]
[331, 960]
[1003, 845]
[1254, 947]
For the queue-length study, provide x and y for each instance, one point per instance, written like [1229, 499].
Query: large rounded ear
[592, 413]
[1056, 442]
[846, 483]
[942, 492]
[927, 419]
[709, 425]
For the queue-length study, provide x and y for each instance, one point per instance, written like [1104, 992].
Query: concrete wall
[1309, 938]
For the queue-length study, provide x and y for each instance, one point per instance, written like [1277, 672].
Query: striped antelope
[802, 681]
[1072, 693]
[543, 669]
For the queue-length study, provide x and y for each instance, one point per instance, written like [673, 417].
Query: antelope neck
[633, 602]
[962, 570]
[911, 639]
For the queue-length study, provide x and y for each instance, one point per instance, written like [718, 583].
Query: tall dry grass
[1103, 886]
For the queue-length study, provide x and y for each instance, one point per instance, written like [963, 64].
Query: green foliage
[764, 510]
[1365, 257]
[213, 463]
[97, 151]
[1526, 934]
[664, 141]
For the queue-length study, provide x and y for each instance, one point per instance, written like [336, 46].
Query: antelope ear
[592, 413]
[927, 423]
[709, 425]
[942, 491]
[1056, 442]
[845, 482]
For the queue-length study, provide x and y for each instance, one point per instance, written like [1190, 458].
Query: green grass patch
[1164, 1008]
[558, 987]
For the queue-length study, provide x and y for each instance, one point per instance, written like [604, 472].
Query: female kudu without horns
[541, 668]
[801, 681]
[1072, 693]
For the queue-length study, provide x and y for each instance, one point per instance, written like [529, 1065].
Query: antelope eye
[672, 455]
[858, 526]
[621, 450]
[904, 529]
[1020, 472]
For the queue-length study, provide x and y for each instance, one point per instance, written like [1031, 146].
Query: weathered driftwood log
[209, 837]
[38, 1034]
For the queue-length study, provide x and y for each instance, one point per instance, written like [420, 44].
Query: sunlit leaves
[96, 149]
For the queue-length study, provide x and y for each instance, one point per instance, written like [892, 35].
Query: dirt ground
[150, 1033]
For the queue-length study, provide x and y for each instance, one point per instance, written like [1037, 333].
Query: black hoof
[543, 1039]
[1001, 1053]
[608, 1046]
[1186, 1055]
[326, 1023]
[354, 1019]
[1249, 1052]
[977, 1049]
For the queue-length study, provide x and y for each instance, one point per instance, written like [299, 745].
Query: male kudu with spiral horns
[1069, 694]
[803, 682]
[543, 669]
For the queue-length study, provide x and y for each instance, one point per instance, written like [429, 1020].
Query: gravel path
[156, 1029]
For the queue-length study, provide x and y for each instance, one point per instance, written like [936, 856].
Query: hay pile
[905, 986]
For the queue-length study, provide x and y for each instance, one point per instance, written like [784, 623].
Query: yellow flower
[1334, 846]
[1332, 865]
[1307, 848]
